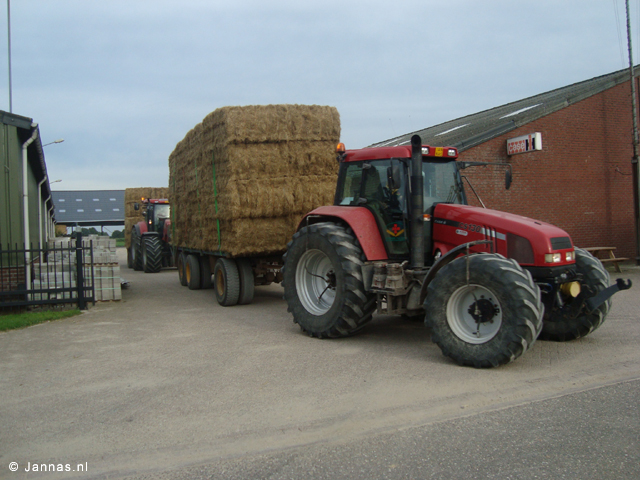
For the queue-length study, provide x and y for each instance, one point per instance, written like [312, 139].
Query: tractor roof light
[340, 148]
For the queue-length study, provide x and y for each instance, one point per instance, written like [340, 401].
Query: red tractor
[150, 249]
[401, 239]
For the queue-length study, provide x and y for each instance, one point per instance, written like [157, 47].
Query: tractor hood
[528, 241]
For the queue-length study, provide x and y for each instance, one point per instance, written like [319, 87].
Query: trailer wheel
[247, 282]
[181, 264]
[571, 321]
[136, 251]
[192, 272]
[322, 281]
[484, 310]
[206, 281]
[226, 282]
[151, 254]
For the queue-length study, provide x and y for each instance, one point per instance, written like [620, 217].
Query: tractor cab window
[157, 214]
[380, 186]
[441, 184]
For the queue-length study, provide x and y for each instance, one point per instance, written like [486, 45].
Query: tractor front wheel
[136, 251]
[322, 281]
[571, 320]
[484, 310]
[151, 254]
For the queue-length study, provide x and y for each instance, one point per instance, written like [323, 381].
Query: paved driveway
[168, 379]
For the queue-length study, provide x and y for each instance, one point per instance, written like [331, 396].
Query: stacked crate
[106, 270]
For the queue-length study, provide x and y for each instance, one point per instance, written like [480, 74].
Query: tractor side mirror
[508, 178]
[136, 206]
[394, 177]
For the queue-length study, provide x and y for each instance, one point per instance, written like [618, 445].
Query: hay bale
[246, 175]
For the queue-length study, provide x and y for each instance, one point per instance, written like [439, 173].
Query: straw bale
[272, 124]
[246, 175]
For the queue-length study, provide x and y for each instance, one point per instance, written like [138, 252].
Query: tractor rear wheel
[484, 310]
[226, 282]
[571, 321]
[192, 272]
[136, 251]
[151, 254]
[322, 281]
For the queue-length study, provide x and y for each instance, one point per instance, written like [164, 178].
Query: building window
[80, 210]
[61, 199]
[78, 199]
[96, 199]
[116, 209]
[112, 199]
[98, 209]
[62, 211]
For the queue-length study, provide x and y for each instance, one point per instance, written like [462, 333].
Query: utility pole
[634, 161]
[9, 47]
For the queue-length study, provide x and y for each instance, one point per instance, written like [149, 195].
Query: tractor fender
[460, 250]
[141, 228]
[360, 220]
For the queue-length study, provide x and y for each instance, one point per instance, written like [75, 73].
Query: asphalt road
[166, 384]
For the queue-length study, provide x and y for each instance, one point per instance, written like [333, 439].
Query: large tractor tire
[484, 310]
[136, 250]
[572, 321]
[247, 281]
[226, 282]
[151, 254]
[181, 263]
[322, 281]
[192, 272]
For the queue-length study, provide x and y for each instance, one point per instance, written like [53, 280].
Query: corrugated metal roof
[89, 207]
[466, 132]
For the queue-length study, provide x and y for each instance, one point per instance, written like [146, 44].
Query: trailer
[239, 183]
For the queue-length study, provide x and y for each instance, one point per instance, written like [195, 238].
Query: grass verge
[21, 320]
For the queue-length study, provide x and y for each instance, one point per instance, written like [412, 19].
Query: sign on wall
[524, 144]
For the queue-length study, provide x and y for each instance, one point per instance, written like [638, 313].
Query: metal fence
[54, 274]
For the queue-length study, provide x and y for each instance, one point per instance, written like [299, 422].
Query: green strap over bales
[215, 196]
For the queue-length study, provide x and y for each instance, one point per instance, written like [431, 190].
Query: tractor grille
[561, 243]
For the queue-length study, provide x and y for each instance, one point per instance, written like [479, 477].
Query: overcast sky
[123, 81]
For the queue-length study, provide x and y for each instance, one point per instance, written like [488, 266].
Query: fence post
[82, 304]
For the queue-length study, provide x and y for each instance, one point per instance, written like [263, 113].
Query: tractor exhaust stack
[417, 204]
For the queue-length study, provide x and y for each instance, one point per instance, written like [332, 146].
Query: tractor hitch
[597, 300]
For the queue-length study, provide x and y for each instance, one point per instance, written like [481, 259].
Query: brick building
[581, 179]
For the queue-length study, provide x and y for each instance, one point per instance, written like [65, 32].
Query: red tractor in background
[150, 249]
[401, 239]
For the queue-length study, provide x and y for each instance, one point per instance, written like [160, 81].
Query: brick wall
[581, 180]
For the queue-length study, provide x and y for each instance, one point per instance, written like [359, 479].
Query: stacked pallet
[241, 180]
[133, 216]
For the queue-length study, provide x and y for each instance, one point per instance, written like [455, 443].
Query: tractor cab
[379, 179]
[157, 212]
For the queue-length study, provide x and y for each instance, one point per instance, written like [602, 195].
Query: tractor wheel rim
[474, 314]
[315, 282]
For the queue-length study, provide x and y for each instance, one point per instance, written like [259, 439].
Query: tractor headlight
[571, 256]
[553, 258]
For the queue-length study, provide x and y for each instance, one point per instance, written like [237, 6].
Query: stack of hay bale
[241, 180]
[133, 216]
